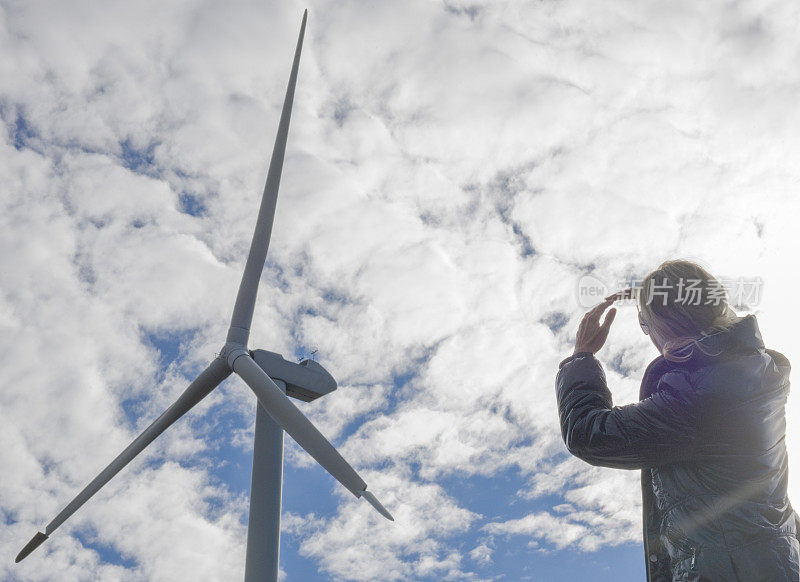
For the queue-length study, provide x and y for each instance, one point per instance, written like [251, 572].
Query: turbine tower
[270, 377]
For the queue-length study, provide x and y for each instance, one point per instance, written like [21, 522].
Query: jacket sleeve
[658, 430]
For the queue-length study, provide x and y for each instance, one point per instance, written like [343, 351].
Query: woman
[708, 432]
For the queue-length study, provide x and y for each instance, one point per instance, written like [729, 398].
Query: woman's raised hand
[591, 335]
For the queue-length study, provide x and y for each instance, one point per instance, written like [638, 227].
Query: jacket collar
[721, 345]
[742, 335]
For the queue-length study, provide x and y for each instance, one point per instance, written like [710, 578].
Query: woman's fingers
[609, 319]
[598, 330]
[591, 335]
[597, 310]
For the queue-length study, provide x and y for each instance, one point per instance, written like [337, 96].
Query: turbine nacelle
[306, 380]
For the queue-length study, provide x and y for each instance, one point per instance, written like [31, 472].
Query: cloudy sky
[454, 173]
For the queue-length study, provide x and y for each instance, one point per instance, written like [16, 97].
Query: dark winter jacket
[709, 437]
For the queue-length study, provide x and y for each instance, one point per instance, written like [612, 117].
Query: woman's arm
[658, 430]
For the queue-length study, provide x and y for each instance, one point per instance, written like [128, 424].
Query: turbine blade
[377, 505]
[294, 422]
[248, 288]
[35, 542]
[209, 379]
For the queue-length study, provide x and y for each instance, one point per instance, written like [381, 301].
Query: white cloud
[482, 553]
[452, 170]
[358, 544]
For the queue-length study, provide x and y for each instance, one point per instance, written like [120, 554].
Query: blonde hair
[681, 303]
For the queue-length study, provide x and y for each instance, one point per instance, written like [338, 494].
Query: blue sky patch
[191, 204]
[137, 160]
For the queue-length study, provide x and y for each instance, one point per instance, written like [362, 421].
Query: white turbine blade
[209, 379]
[248, 288]
[294, 422]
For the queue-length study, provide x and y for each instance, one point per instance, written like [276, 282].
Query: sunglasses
[642, 324]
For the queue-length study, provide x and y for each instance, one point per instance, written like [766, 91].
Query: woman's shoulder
[740, 374]
[780, 360]
[745, 367]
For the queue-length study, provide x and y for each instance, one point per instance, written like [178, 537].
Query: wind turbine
[262, 371]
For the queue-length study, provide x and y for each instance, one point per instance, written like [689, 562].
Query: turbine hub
[231, 351]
